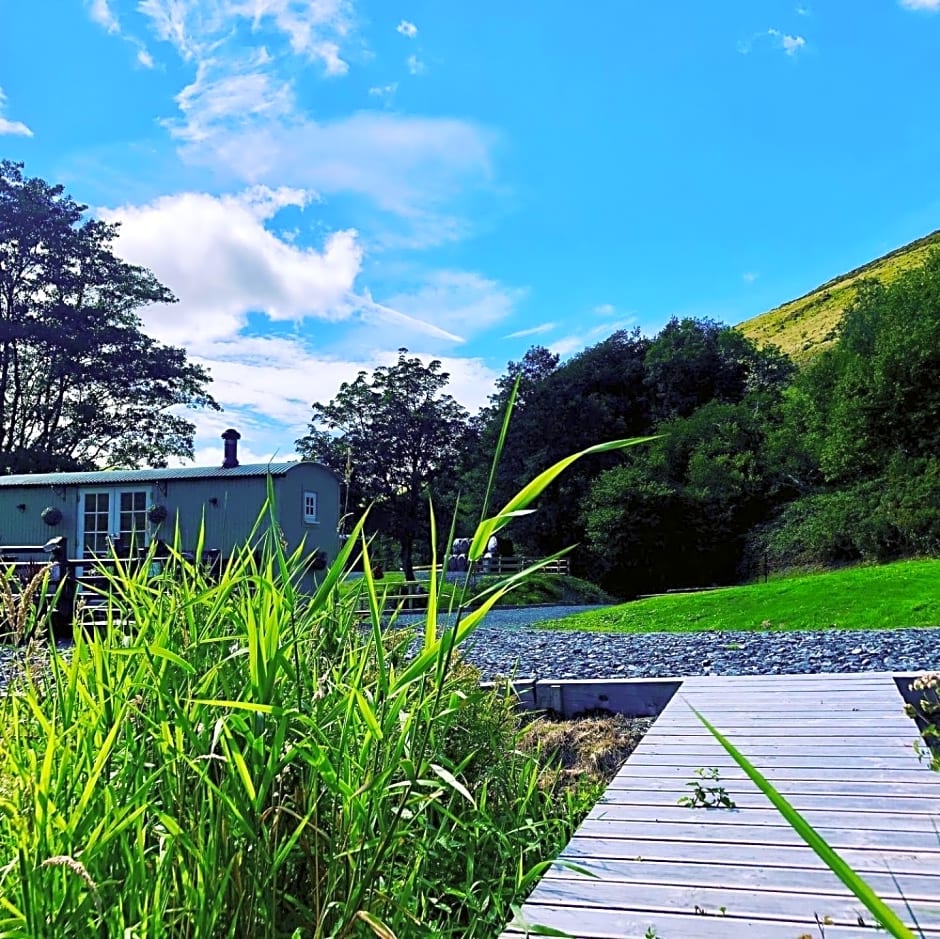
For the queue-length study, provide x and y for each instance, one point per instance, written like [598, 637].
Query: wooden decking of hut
[839, 747]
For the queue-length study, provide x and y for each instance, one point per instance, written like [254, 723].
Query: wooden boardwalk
[840, 749]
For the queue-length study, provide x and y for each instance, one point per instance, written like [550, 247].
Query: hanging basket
[156, 513]
[51, 515]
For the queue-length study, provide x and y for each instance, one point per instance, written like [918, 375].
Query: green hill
[805, 326]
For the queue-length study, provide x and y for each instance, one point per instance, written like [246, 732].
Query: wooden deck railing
[508, 565]
[77, 589]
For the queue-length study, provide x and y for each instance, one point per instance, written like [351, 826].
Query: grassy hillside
[889, 596]
[804, 326]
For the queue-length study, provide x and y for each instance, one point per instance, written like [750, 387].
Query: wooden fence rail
[509, 565]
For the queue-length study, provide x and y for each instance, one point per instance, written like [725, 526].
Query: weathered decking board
[840, 749]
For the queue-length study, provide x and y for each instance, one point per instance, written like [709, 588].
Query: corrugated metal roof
[119, 477]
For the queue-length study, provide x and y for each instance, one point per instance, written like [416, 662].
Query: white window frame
[314, 517]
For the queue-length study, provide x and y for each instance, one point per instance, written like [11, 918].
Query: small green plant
[926, 712]
[706, 793]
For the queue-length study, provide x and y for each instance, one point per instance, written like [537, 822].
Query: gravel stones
[510, 643]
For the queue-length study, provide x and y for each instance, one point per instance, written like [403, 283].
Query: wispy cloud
[201, 30]
[384, 92]
[243, 114]
[407, 29]
[462, 302]
[604, 309]
[100, 11]
[577, 341]
[415, 65]
[14, 128]
[931, 6]
[749, 277]
[791, 45]
[539, 330]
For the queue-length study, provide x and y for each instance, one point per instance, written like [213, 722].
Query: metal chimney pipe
[231, 438]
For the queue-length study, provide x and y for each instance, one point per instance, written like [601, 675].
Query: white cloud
[415, 65]
[222, 263]
[531, 331]
[15, 128]
[749, 277]
[268, 385]
[931, 5]
[406, 165]
[100, 11]
[199, 29]
[224, 97]
[384, 91]
[407, 29]
[605, 309]
[460, 301]
[575, 342]
[790, 44]
[241, 114]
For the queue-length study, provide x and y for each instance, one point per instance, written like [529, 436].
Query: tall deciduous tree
[392, 435]
[80, 384]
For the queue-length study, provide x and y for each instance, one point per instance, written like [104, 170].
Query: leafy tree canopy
[392, 436]
[80, 384]
[875, 395]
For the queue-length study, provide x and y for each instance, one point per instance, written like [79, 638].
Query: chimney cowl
[231, 438]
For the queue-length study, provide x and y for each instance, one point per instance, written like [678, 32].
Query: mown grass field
[805, 326]
[901, 595]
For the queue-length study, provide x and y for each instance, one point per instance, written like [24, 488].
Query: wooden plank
[792, 788]
[832, 801]
[742, 833]
[708, 852]
[629, 924]
[781, 746]
[768, 816]
[771, 761]
[914, 776]
[806, 879]
[842, 909]
[847, 731]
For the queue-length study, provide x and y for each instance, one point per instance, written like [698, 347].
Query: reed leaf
[535, 488]
[888, 919]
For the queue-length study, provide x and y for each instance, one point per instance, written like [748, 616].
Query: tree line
[756, 465]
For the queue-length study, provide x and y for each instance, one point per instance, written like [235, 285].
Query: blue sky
[322, 181]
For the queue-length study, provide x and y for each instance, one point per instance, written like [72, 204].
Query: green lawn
[903, 594]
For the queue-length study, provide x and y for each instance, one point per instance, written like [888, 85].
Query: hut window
[310, 506]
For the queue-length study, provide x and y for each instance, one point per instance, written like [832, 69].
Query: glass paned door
[110, 515]
[132, 519]
[96, 515]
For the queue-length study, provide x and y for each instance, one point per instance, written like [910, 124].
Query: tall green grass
[232, 757]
